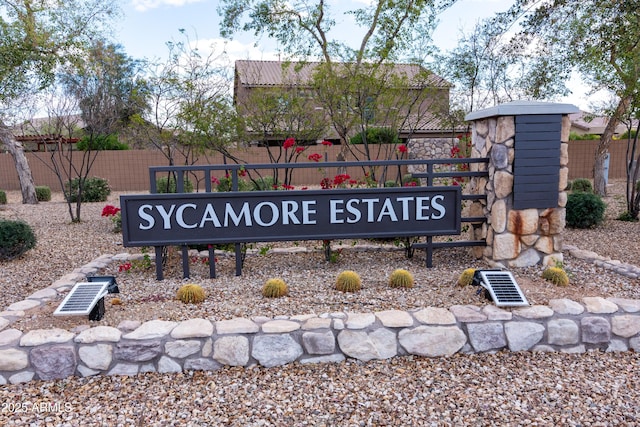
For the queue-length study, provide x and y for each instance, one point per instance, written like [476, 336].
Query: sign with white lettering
[262, 216]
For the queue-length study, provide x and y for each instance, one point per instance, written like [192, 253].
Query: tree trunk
[599, 185]
[22, 165]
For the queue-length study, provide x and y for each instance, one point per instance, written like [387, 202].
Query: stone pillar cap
[517, 108]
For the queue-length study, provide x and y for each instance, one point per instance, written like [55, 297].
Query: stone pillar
[525, 232]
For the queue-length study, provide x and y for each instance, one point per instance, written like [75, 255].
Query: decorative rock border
[624, 269]
[611, 324]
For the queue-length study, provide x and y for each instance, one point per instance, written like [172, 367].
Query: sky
[149, 24]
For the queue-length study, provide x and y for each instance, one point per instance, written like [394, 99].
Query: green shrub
[628, 135]
[3, 197]
[169, 185]
[94, 190]
[391, 183]
[581, 185]
[377, 136]
[16, 238]
[101, 142]
[627, 216]
[226, 184]
[584, 210]
[260, 184]
[573, 136]
[43, 193]
[408, 179]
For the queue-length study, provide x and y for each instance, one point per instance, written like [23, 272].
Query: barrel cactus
[556, 275]
[466, 277]
[348, 281]
[275, 288]
[191, 294]
[401, 278]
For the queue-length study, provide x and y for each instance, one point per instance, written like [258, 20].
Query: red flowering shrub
[110, 210]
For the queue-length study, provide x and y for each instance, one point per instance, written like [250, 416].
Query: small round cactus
[275, 288]
[556, 275]
[401, 278]
[348, 281]
[466, 277]
[191, 294]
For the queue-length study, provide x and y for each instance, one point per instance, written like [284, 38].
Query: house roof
[277, 73]
[589, 123]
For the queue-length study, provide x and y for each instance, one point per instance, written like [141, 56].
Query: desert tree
[632, 158]
[482, 73]
[282, 118]
[191, 111]
[36, 37]
[109, 91]
[348, 75]
[597, 39]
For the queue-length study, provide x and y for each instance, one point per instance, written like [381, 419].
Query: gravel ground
[488, 389]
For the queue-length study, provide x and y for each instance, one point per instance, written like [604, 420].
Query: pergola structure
[45, 141]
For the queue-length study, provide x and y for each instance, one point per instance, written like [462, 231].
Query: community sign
[262, 216]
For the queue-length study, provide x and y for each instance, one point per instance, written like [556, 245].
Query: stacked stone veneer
[431, 148]
[200, 344]
[515, 238]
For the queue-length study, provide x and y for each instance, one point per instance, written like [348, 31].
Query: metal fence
[436, 172]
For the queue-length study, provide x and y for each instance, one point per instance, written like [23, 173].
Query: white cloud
[365, 2]
[144, 5]
[233, 49]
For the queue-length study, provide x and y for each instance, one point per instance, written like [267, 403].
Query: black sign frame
[412, 203]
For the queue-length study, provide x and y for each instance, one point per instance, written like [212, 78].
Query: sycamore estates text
[240, 213]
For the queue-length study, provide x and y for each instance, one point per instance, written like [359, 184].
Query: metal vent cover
[82, 299]
[502, 288]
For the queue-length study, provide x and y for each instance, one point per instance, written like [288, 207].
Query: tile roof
[277, 73]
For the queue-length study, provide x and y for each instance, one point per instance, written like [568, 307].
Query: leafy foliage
[581, 185]
[598, 39]
[101, 142]
[43, 193]
[94, 189]
[16, 238]
[376, 136]
[584, 210]
[583, 137]
[169, 185]
[3, 197]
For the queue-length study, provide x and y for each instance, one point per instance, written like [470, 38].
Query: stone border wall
[198, 344]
